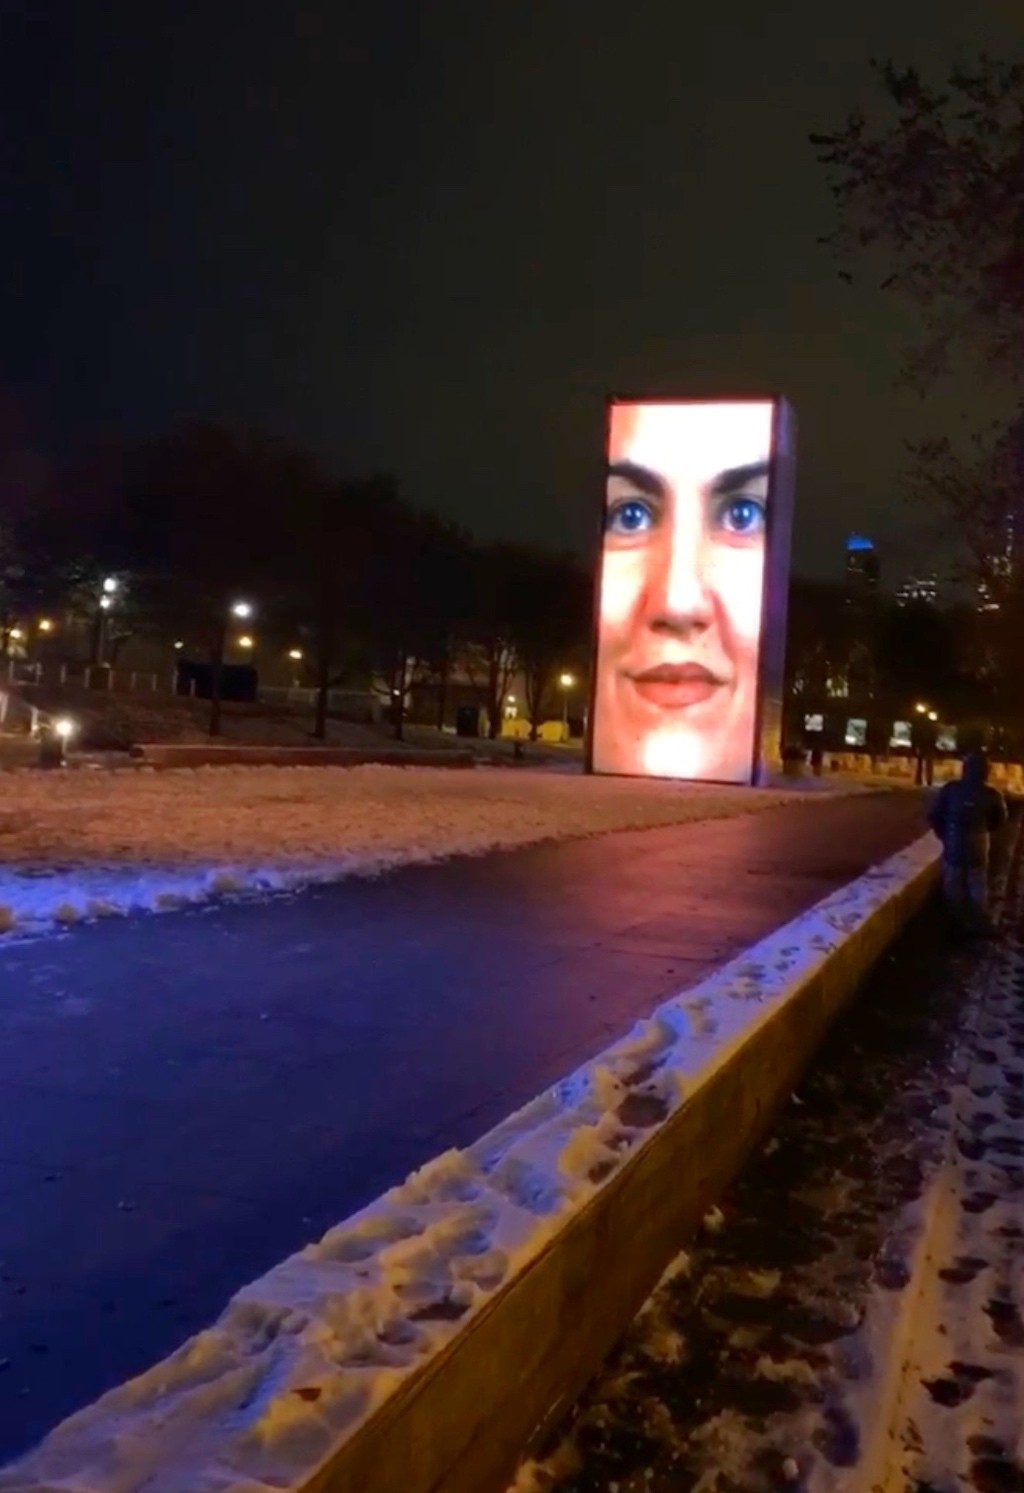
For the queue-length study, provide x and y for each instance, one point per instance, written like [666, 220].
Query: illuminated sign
[691, 589]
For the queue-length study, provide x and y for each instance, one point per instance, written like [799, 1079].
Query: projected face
[682, 578]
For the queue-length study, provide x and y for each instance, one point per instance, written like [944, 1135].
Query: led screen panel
[691, 589]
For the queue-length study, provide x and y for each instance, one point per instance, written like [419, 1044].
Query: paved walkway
[189, 1097]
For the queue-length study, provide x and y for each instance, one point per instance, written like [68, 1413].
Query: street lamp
[933, 715]
[246, 642]
[295, 654]
[242, 610]
[53, 742]
[45, 625]
[566, 681]
[921, 709]
[108, 590]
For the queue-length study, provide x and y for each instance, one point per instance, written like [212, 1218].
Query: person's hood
[975, 769]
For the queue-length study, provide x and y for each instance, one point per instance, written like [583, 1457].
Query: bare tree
[929, 193]
[930, 205]
[550, 626]
[204, 514]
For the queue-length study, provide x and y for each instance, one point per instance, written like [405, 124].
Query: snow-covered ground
[959, 1418]
[93, 843]
[303, 1356]
[853, 1317]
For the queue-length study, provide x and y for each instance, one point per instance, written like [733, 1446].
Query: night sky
[429, 237]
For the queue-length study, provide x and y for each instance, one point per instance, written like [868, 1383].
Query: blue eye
[630, 517]
[742, 516]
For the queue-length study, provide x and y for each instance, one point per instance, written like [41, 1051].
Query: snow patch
[95, 844]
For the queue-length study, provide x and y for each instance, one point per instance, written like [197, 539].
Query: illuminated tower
[862, 570]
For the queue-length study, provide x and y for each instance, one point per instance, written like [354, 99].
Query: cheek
[739, 583]
[622, 583]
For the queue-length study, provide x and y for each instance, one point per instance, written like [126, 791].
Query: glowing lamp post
[104, 606]
[923, 739]
[242, 611]
[566, 681]
[55, 738]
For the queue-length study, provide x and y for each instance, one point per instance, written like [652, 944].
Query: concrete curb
[465, 1422]
[887, 1333]
[457, 1414]
[200, 754]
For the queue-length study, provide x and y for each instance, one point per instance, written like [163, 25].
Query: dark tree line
[882, 658]
[375, 588]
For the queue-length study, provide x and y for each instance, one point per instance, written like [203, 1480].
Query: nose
[679, 599]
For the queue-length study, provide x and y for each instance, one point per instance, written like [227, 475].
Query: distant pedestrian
[924, 739]
[966, 815]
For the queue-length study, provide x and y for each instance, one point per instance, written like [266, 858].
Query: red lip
[676, 686]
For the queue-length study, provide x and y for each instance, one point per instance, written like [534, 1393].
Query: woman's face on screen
[681, 589]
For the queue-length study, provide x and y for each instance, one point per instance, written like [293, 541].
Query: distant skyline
[429, 238]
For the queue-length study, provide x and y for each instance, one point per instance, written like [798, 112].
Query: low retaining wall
[1005, 775]
[202, 754]
[424, 1344]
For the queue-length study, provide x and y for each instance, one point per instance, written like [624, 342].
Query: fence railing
[352, 704]
[97, 677]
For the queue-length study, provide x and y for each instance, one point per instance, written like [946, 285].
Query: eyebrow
[731, 480]
[735, 479]
[642, 478]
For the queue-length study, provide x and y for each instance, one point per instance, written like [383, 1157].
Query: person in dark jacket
[966, 815]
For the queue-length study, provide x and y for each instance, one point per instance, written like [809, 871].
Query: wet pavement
[190, 1097]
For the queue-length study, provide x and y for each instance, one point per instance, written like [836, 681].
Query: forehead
[692, 440]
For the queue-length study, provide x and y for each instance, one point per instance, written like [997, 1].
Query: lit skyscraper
[862, 569]
[918, 590]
